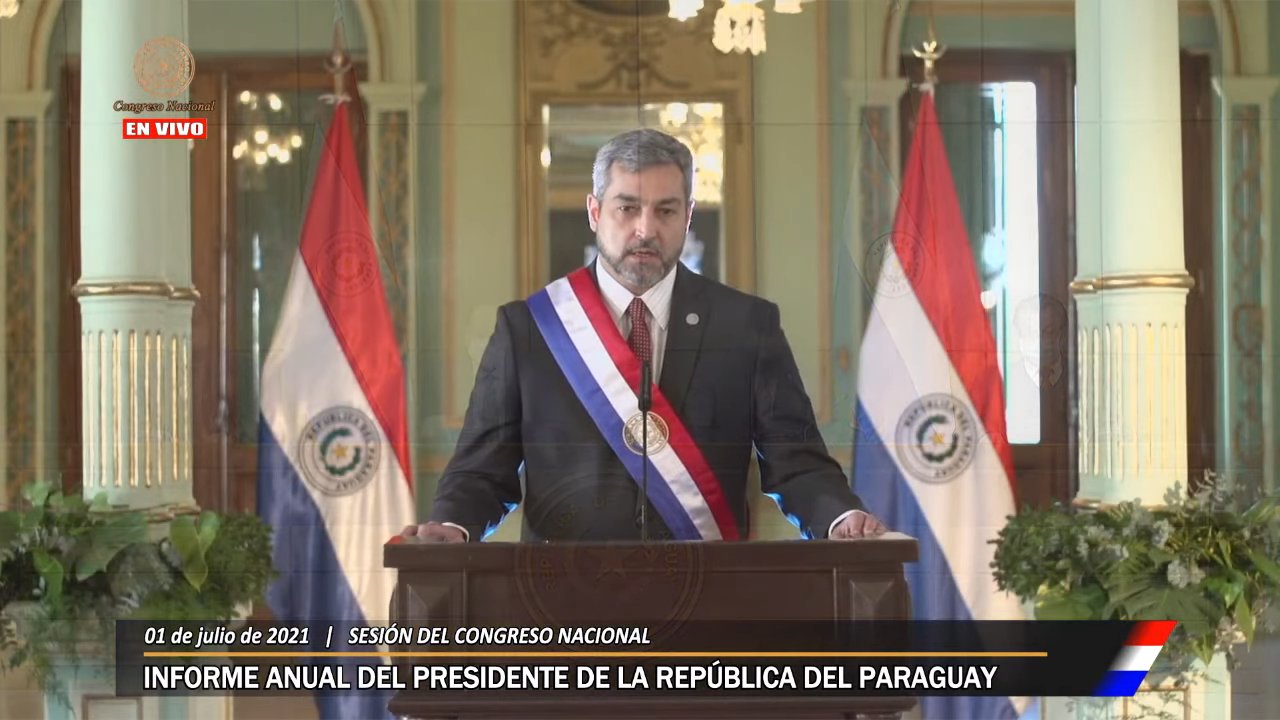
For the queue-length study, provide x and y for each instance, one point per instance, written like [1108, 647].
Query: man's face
[640, 224]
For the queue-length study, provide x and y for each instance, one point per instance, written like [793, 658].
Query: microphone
[645, 401]
[646, 387]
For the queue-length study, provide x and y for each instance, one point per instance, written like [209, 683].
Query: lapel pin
[691, 318]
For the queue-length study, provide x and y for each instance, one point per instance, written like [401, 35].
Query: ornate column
[1246, 350]
[23, 128]
[392, 109]
[1132, 280]
[135, 297]
[1132, 285]
[135, 291]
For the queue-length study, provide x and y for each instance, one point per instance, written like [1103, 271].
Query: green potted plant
[1208, 560]
[69, 569]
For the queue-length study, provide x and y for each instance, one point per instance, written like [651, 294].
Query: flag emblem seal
[936, 436]
[350, 265]
[339, 451]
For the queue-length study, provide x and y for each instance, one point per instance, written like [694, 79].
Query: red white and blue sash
[605, 373]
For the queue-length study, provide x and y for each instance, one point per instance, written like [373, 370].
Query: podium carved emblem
[580, 581]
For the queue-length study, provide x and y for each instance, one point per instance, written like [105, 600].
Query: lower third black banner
[746, 660]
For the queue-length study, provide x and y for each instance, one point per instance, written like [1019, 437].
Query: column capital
[1252, 89]
[876, 91]
[29, 104]
[392, 95]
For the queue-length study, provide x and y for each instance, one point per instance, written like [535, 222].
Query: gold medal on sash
[633, 432]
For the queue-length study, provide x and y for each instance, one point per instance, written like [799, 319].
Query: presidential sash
[604, 374]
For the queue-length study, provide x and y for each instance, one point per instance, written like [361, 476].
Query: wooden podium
[661, 585]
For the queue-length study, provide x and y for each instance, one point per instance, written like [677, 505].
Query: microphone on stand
[645, 402]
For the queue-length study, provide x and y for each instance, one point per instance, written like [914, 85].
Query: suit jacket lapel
[689, 315]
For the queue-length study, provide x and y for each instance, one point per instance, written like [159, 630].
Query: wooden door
[1006, 118]
[246, 217]
[1198, 212]
[1046, 469]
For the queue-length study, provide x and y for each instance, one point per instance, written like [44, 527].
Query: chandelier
[700, 126]
[263, 141]
[9, 8]
[739, 24]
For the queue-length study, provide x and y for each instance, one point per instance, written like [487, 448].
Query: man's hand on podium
[858, 524]
[434, 532]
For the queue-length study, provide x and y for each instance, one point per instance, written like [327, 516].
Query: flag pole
[338, 64]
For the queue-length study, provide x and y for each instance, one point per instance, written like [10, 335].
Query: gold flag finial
[339, 61]
[930, 51]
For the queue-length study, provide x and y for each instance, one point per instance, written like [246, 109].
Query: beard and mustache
[641, 272]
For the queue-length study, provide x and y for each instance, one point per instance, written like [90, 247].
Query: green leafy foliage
[1206, 559]
[192, 543]
[69, 569]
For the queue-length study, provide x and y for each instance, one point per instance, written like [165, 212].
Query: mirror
[571, 136]
[591, 69]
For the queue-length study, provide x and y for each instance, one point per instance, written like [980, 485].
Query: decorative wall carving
[393, 213]
[627, 8]
[875, 186]
[629, 50]
[1247, 315]
[20, 301]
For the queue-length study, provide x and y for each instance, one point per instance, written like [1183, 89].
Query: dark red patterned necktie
[639, 340]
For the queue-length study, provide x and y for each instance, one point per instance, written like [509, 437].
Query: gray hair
[638, 150]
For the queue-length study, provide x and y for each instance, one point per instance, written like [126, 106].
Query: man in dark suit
[557, 392]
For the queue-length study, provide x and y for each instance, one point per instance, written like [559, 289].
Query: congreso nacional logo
[936, 437]
[164, 67]
[339, 451]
